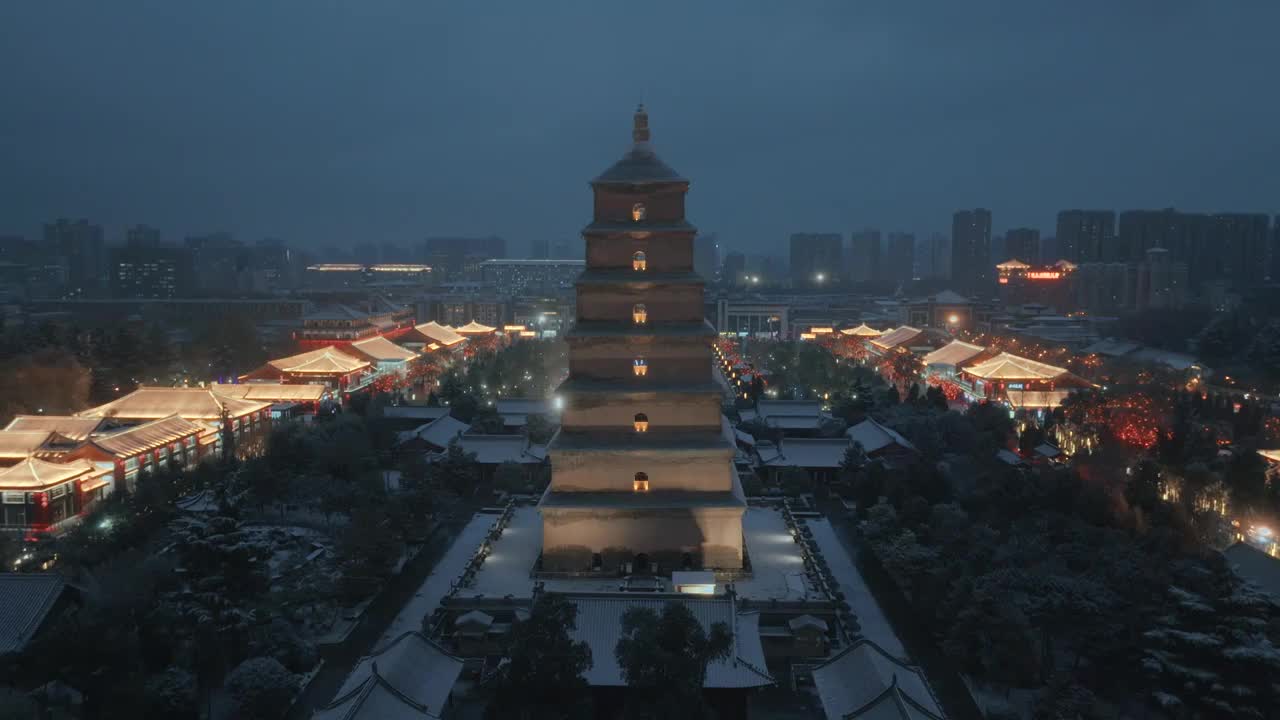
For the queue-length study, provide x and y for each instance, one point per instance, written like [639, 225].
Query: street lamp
[821, 277]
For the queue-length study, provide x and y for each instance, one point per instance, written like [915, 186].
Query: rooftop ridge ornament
[640, 131]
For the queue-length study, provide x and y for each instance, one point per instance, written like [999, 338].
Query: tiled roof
[865, 681]
[438, 432]
[862, 330]
[35, 474]
[875, 436]
[410, 677]
[766, 409]
[442, 334]
[148, 436]
[1007, 366]
[954, 353]
[25, 601]
[804, 452]
[599, 624]
[22, 443]
[523, 406]
[896, 337]
[272, 392]
[69, 426]
[497, 449]
[323, 361]
[474, 328]
[380, 349]
[1255, 566]
[153, 403]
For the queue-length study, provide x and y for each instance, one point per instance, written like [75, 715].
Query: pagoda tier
[642, 468]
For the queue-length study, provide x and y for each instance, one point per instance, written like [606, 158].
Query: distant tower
[642, 468]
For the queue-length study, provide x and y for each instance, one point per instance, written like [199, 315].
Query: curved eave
[609, 441]
[640, 166]
[638, 229]
[622, 329]
[580, 386]
[638, 279]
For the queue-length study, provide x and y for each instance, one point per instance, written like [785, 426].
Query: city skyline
[386, 138]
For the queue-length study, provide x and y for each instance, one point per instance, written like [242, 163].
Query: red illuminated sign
[1044, 275]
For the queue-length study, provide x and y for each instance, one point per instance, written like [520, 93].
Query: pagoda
[642, 478]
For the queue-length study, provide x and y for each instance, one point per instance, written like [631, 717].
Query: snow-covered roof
[807, 622]
[875, 437]
[439, 432]
[379, 349]
[1112, 347]
[69, 426]
[497, 449]
[805, 453]
[599, 624]
[410, 677]
[148, 436]
[896, 337]
[1047, 450]
[766, 409]
[36, 474]
[1007, 366]
[954, 353]
[1272, 455]
[272, 392]
[25, 602]
[949, 297]
[442, 334]
[1008, 457]
[322, 361]
[414, 412]
[192, 403]
[865, 681]
[523, 406]
[1175, 360]
[1255, 566]
[863, 330]
[474, 328]
[744, 438]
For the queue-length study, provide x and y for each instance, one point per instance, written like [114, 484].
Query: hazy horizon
[387, 122]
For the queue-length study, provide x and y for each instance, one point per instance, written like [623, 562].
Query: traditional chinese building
[642, 472]
[247, 421]
[324, 366]
[171, 442]
[41, 496]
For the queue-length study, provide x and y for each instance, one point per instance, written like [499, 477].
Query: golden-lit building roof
[153, 403]
[442, 334]
[1007, 366]
[954, 353]
[380, 349]
[37, 474]
[896, 337]
[148, 436]
[19, 444]
[864, 330]
[272, 392]
[322, 361]
[71, 427]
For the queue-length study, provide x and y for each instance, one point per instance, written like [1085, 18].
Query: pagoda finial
[640, 132]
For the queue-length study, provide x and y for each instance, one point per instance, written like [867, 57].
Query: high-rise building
[539, 249]
[221, 263]
[1022, 244]
[142, 236]
[1162, 281]
[153, 272]
[706, 256]
[864, 256]
[1273, 253]
[901, 257]
[566, 249]
[278, 266]
[531, 277]
[642, 468]
[81, 246]
[734, 271]
[1233, 249]
[459, 258]
[971, 267]
[1086, 236]
[817, 260]
[938, 264]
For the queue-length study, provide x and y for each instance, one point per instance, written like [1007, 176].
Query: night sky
[340, 123]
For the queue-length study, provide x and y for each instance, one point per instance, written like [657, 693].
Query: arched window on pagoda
[639, 314]
[640, 367]
[642, 423]
[641, 483]
[638, 262]
[637, 212]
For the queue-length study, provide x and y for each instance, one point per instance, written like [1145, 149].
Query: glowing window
[638, 262]
[642, 422]
[637, 212]
[639, 313]
[640, 367]
[641, 483]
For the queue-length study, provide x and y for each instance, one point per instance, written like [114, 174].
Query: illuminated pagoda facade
[642, 473]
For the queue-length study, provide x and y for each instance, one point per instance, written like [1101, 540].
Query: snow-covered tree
[262, 688]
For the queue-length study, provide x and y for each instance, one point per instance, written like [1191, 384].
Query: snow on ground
[875, 626]
[777, 568]
[437, 584]
[511, 558]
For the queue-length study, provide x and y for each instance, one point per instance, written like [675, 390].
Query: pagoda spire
[640, 130]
